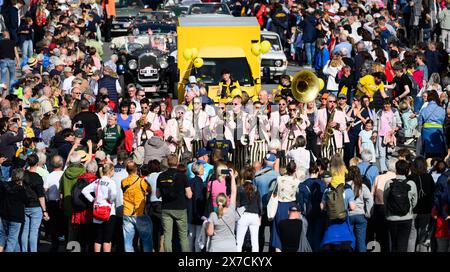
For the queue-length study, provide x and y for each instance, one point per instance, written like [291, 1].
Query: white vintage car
[273, 63]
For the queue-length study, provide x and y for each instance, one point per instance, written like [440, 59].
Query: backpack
[167, 189]
[335, 203]
[415, 87]
[365, 179]
[397, 200]
[313, 199]
[79, 201]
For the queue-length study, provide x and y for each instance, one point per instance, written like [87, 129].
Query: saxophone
[328, 131]
[180, 133]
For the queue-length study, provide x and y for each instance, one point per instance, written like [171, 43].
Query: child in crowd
[367, 139]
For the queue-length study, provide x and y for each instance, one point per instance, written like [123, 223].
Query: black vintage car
[145, 60]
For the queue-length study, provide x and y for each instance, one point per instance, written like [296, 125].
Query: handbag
[101, 213]
[272, 205]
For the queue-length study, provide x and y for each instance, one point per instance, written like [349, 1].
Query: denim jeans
[359, 224]
[6, 173]
[143, 224]
[27, 48]
[9, 234]
[8, 66]
[382, 153]
[310, 52]
[180, 218]
[30, 230]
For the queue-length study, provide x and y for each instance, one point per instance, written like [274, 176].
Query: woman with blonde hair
[331, 69]
[105, 196]
[222, 220]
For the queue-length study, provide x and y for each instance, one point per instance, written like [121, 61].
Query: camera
[225, 172]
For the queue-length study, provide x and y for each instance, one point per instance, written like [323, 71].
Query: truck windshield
[210, 72]
[274, 42]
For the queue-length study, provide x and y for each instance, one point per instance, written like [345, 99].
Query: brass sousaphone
[305, 86]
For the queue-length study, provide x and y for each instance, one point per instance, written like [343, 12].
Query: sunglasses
[292, 109]
[282, 104]
[235, 104]
[180, 112]
[332, 101]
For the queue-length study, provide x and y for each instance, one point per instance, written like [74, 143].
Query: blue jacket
[304, 196]
[209, 170]
[308, 26]
[442, 194]
[321, 58]
[263, 180]
[432, 113]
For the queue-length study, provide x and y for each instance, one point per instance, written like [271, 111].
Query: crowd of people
[363, 166]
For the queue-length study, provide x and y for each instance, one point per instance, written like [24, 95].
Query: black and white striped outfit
[196, 145]
[331, 149]
[258, 150]
[240, 155]
[180, 150]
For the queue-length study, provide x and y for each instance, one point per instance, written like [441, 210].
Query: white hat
[40, 146]
[335, 17]
[192, 79]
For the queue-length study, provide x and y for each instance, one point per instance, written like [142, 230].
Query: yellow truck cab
[222, 42]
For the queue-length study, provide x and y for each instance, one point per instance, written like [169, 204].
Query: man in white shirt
[67, 84]
[299, 154]
[51, 187]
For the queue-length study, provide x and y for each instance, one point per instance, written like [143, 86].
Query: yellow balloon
[198, 62]
[194, 53]
[187, 53]
[265, 47]
[321, 84]
[256, 49]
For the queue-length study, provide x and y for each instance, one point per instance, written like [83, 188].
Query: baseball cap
[68, 70]
[325, 96]
[294, 208]
[342, 96]
[158, 133]
[202, 152]
[270, 157]
[326, 174]
[192, 79]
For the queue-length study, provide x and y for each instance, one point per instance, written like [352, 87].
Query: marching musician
[278, 117]
[144, 124]
[331, 128]
[259, 135]
[199, 121]
[294, 127]
[236, 130]
[176, 131]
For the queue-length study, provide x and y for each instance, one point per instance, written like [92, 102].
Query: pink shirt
[385, 120]
[217, 188]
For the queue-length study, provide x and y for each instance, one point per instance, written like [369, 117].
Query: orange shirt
[110, 8]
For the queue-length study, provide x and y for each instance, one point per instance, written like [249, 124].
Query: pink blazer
[172, 130]
[277, 124]
[264, 125]
[297, 130]
[152, 118]
[340, 135]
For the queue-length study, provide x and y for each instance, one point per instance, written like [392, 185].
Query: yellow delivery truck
[215, 43]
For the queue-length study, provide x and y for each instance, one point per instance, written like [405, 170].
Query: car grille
[147, 60]
[267, 63]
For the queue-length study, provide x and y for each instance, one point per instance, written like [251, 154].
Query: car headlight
[126, 25]
[132, 64]
[163, 63]
[278, 63]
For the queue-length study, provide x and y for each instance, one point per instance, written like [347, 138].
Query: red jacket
[83, 217]
[441, 225]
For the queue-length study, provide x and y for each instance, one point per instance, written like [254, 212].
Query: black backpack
[397, 200]
[79, 201]
[365, 179]
[415, 87]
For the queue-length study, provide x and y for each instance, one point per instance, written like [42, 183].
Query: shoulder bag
[272, 205]
[101, 213]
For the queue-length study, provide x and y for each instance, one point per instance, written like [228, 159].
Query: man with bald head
[46, 104]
